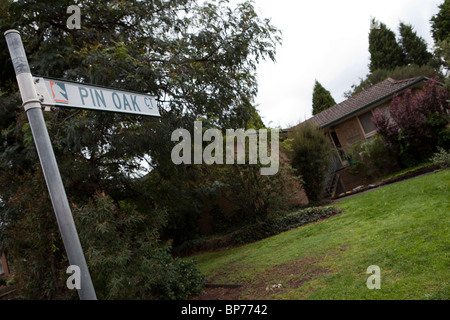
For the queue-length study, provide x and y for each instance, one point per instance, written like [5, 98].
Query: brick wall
[352, 180]
[349, 132]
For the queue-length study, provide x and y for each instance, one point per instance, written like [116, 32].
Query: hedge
[256, 231]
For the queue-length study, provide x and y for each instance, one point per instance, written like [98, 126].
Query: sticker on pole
[79, 95]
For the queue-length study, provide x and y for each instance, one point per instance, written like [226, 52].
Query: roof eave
[378, 101]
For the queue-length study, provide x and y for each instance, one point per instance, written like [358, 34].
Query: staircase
[333, 177]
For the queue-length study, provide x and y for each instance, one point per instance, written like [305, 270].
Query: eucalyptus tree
[199, 60]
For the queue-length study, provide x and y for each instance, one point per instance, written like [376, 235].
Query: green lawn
[403, 228]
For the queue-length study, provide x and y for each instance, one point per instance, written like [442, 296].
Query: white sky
[325, 40]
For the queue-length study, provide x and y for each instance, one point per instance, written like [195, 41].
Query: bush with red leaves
[414, 125]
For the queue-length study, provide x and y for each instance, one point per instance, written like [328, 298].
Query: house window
[366, 122]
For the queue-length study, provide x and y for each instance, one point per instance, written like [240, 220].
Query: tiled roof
[377, 93]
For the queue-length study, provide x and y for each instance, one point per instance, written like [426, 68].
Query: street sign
[61, 93]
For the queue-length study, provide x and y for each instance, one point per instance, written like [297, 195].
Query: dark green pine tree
[440, 30]
[440, 23]
[385, 52]
[414, 47]
[322, 99]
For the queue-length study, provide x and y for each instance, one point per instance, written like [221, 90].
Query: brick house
[350, 122]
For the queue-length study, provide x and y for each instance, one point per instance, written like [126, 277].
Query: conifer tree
[440, 30]
[385, 52]
[414, 47]
[404, 59]
[322, 99]
[440, 23]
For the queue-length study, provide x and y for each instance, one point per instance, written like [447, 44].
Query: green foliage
[270, 227]
[414, 47]
[407, 58]
[440, 23]
[440, 30]
[372, 158]
[258, 230]
[442, 157]
[37, 254]
[403, 227]
[257, 197]
[200, 61]
[125, 257]
[310, 157]
[385, 52]
[322, 99]
[230, 195]
[442, 50]
[398, 73]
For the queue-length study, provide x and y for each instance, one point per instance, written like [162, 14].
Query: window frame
[368, 134]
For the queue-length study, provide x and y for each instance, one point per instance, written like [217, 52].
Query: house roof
[376, 94]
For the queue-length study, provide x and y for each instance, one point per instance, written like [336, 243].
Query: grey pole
[48, 162]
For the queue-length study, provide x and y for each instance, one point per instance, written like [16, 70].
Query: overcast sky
[325, 40]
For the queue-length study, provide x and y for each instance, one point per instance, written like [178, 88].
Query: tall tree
[322, 98]
[414, 47]
[440, 23]
[198, 59]
[413, 61]
[385, 52]
[440, 29]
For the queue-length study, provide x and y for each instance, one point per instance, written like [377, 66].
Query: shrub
[416, 124]
[309, 154]
[228, 195]
[441, 158]
[372, 158]
[258, 230]
[35, 248]
[256, 196]
[264, 229]
[126, 258]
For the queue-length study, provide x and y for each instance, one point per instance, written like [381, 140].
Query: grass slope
[402, 228]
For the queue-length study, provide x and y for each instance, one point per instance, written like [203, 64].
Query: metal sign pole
[48, 162]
